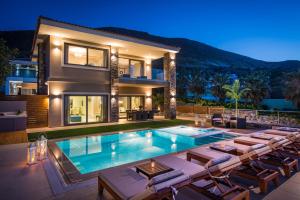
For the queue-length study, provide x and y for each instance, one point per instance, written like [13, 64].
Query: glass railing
[24, 72]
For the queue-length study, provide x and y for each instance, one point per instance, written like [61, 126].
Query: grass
[109, 128]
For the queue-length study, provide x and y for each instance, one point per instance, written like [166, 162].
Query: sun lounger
[276, 157]
[219, 165]
[124, 183]
[251, 167]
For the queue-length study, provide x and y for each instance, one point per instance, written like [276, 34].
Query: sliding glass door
[82, 109]
[130, 103]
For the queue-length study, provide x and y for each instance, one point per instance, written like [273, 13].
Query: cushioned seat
[186, 167]
[124, 181]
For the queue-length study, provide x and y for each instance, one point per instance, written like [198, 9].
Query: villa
[95, 76]
[83, 76]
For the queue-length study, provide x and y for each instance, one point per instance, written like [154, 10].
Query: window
[132, 67]
[85, 109]
[80, 55]
[130, 103]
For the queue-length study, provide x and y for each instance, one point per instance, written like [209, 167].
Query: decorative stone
[114, 111]
[170, 90]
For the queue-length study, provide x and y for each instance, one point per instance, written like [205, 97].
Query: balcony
[155, 80]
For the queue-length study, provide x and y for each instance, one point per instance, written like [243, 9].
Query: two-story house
[94, 76]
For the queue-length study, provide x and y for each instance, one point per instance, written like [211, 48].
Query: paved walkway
[290, 190]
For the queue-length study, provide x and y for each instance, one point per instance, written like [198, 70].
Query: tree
[292, 88]
[6, 55]
[157, 100]
[181, 82]
[259, 86]
[196, 82]
[218, 80]
[235, 92]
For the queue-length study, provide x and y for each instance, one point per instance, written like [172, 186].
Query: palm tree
[292, 88]
[218, 81]
[259, 86]
[235, 92]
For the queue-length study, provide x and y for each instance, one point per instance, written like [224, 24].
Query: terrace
[51, 180]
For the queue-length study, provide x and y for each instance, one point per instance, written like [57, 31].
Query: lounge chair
[276, 157]
[246, 165]
[124, 183]
[251, 167]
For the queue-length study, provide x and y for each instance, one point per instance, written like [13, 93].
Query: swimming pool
[93, 153]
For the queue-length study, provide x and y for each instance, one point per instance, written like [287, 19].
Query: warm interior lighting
[148, 61]
[77, 51]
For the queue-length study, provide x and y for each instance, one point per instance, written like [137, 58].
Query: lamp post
[31, 154]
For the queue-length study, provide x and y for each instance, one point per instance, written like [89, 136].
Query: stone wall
[114, 111]
[170, 90]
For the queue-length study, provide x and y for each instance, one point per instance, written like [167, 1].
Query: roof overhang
[126, 45]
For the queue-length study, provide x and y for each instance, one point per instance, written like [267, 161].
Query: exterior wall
[67, 79]
[170, 90]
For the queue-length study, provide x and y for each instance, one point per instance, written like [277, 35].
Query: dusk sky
[263, 29]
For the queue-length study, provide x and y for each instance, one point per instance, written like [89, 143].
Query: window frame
[133, 59]
[67, 108]
[66, 55]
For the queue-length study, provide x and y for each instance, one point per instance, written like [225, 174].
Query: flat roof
[47, 26]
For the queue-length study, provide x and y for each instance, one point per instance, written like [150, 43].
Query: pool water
[93, 153]
[190, 131]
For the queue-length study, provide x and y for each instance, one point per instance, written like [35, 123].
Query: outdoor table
[152, 169]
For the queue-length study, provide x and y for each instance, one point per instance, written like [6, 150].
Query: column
[170, 90]
[114, 98]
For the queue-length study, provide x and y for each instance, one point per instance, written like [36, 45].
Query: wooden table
[151, 171]
[224, 148]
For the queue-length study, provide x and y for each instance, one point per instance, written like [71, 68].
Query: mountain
[193, 54]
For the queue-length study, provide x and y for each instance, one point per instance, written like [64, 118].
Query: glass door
[85, 109]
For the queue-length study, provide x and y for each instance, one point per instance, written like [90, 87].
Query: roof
[69, 26]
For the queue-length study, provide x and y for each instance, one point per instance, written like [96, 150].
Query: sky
[263, 29]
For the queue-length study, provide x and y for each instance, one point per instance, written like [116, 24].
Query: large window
[88, 56]
[130, 103]
[85, 109]
[132, 67]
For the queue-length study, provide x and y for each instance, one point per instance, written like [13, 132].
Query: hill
[193, 54]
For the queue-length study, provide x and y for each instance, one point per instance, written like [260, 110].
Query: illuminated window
[132, 67]
[79, 55]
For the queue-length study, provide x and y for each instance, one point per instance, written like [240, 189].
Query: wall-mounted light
[113, 50]
[56, 43]
[172, 56]
[113, 58]
[172, 63]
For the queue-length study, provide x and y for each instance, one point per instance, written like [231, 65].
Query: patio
[41, 181]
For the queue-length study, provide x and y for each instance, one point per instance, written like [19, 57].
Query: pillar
[114, 98]
[170, 90]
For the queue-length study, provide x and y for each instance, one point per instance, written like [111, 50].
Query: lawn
[109, 128]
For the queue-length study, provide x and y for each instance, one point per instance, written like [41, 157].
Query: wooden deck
[15, 137]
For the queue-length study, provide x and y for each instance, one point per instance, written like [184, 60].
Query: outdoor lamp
[31, 154]
[42, 147]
